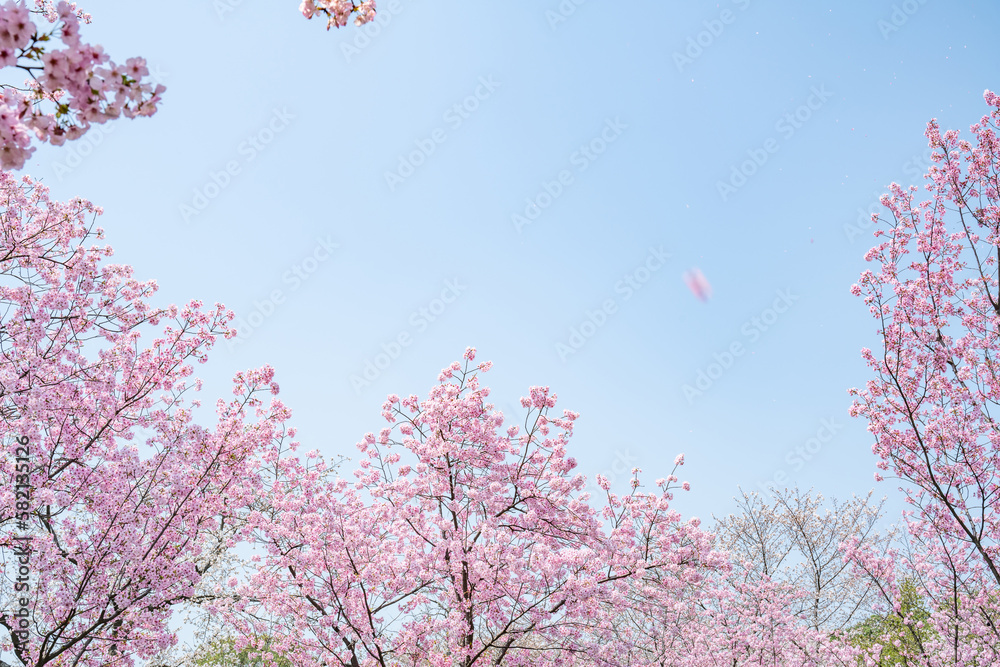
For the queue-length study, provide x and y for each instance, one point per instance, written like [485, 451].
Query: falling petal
[697, 284]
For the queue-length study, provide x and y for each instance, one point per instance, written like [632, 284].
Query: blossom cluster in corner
[338, 12]
[69, 88]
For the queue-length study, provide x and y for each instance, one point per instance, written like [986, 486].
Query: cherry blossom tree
[795, 538]
[461, 542]
[115, 503]
[931, 406]
[787, 597]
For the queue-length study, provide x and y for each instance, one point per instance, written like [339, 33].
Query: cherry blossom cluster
[338, 12]
[70, 88]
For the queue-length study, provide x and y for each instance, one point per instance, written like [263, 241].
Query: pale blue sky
[333, 112]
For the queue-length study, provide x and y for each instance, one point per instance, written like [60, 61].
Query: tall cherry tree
[461, 542]
[126, 501]
[932, 404]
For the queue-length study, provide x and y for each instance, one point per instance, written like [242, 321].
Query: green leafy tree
[909, 626]
[222, 653]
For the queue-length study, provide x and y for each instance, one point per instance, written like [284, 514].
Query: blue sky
[262, 183]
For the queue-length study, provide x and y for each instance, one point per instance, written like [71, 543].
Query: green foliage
[222, 653]
[888, 628]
